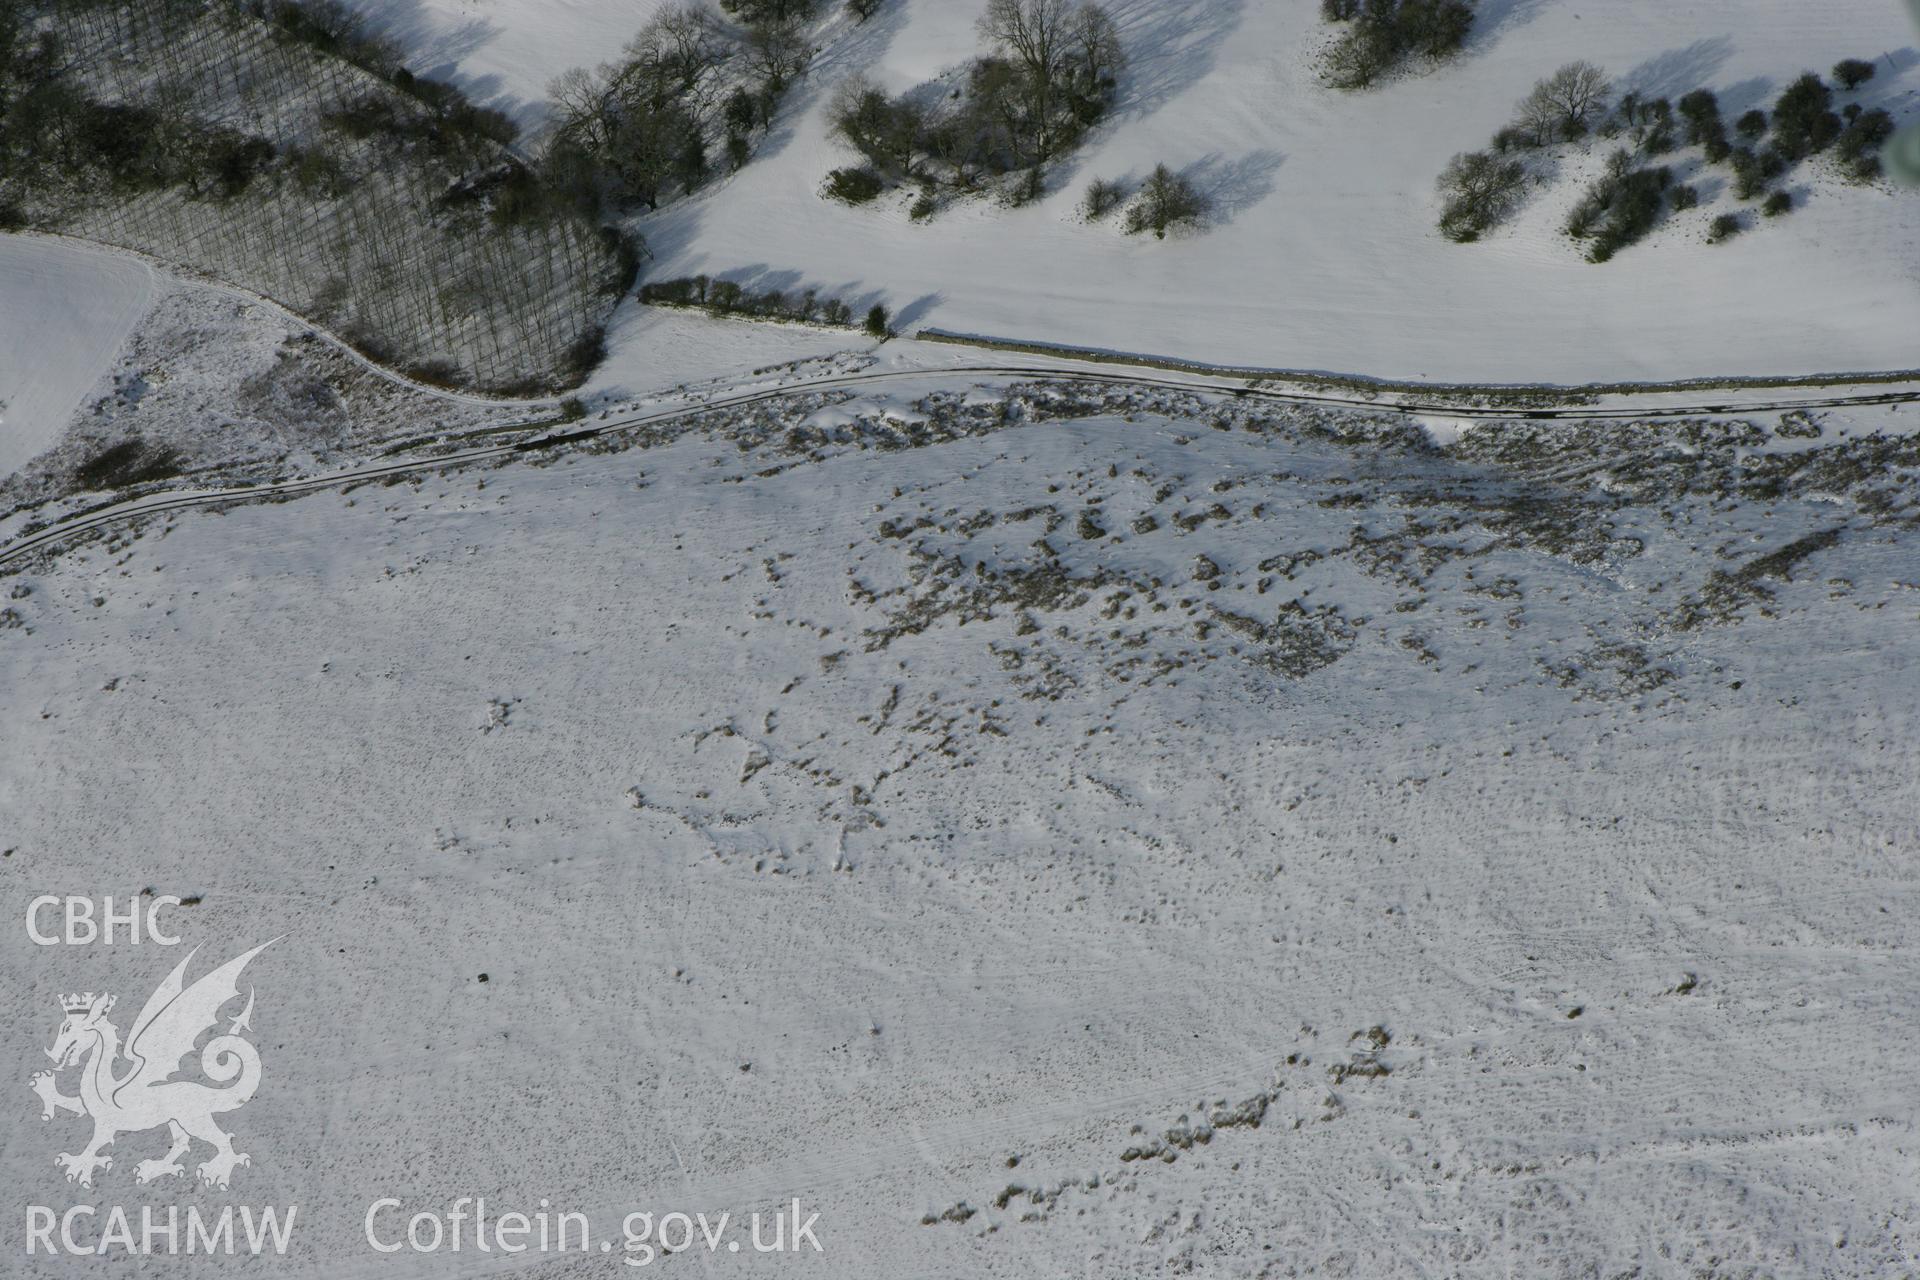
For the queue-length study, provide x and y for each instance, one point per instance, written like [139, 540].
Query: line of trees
[1053, 73]
[731, 298]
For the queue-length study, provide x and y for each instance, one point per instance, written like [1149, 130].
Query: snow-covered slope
[1003, 824]
[507, 51]
[1326, 256]
[64, 311]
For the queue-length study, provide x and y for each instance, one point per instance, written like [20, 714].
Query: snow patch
[65, 309]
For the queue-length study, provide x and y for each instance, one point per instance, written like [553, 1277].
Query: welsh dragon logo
[144, 1094]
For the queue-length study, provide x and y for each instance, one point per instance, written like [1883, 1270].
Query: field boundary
[1362, 384]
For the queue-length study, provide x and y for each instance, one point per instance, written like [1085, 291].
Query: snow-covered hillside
[1048, 832]
[1326, 254]
[1045, 821]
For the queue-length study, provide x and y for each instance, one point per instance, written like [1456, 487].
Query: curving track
[161, 503]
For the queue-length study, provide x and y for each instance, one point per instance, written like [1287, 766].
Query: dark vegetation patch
[1480, 189]
[129, 462]
[689, 99]
[1728, 593]
[1051, 75]
[280, 145]
[1381, 36]
[729, 298]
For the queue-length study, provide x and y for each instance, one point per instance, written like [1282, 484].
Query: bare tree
[1360, 56]
[1537, 119]
[1166, 200]
[778, 53]
[1577, 93]
[586, 108]
[1036, 32]
[1000, 102]
[1480, 189]
[1852, 73]
[1095, 57]
[651, 148]
[1103, 196]
[760, 13]
[955, 137]
[677, 46]
[886, 131]
[1069, 58]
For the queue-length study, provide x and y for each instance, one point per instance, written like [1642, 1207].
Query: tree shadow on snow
[1742, 96]
[1679, 71]
[432, 47]
[1495, 18]
[1170, 45]
[1709, 185]
[1234, 186]
[1888, 68]
[861, 47]
[914, 312]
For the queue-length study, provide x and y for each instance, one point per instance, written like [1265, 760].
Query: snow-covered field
[64, 311]
[1048, 835]
[1325, 256]
[654, 349]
